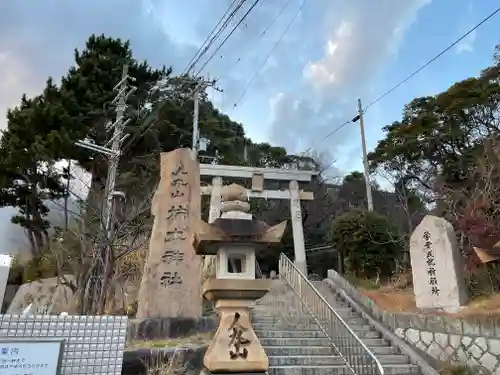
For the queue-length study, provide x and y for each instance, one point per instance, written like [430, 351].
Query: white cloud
[273, 100]
[467, 45]
[16, 80]
[37, 40]
[356, 45]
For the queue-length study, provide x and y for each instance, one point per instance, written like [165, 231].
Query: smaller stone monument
[234, 238]
[437, 266]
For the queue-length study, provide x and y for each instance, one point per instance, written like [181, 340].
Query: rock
[50, 295]
[44, 295]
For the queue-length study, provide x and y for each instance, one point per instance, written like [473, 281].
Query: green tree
[90, 86]
[367, 241]
[43, 130]
[439, 138]
[28, 149]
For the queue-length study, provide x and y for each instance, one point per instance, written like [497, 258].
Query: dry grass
[161, 365]
[483, 306]
[393, 300]
[450, 369]
[397, 296]
[198, 339]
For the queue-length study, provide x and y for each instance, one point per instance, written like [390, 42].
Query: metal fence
[358, 357]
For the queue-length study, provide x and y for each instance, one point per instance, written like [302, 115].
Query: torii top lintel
[247, 172]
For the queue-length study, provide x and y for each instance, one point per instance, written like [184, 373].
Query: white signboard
[5, 260]
[33, 357]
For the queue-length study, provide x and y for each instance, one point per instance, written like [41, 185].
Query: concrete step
[300, 324]
[331, 360]
[296, 318]
[319, 350]
[316, 341]
[305, 327]
[334, 301]
[270, 311]
[298, 350]
[309, 333]
[339, 370]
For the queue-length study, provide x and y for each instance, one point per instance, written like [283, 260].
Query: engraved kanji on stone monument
[431, 264]
[178, 211]
[173, 256]
[172, 276]
[437, 266]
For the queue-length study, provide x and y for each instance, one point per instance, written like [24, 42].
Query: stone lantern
[235, 238]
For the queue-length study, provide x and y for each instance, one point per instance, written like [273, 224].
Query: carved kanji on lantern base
[235, 347]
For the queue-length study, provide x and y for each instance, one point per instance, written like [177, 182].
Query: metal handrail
[357, 356]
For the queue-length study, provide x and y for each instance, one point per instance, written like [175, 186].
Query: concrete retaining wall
[163, 328]
[475, 343]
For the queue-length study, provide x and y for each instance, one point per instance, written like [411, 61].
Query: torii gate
[258, 176]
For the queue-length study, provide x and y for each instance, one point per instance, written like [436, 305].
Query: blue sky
[333, 53]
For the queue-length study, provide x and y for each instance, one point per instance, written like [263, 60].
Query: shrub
[367, 241]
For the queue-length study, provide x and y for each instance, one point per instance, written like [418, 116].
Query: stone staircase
[296, 345]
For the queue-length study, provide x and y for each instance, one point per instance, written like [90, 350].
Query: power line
[258, 37]
[198, 55]
[331, 133]
[275, 18]
[388, 92]
[270, 53]
[434, 58]
[204, 47]
[228, 36]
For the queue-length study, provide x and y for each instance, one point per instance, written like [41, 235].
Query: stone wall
[163, 328]
[475, 343]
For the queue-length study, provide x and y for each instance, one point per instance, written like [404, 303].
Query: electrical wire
[199, 55]
[276, 44]
[434, 58]
[414, 73]
[384, 95]
[144, 129]
[228, 36]
[189, 65]
[330, 134]
[199, 51]
[204, 48]
[261, 35]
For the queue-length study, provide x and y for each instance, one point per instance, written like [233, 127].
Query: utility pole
[196, 116]
[201, 86]
[112, 150]
[365, 156]
[116, 141]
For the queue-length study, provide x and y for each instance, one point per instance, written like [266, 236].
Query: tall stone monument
[437, 266]
[234, 238]
[170, 285]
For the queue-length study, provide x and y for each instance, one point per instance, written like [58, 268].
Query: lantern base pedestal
[235, 348]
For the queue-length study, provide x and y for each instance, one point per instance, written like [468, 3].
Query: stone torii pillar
[297, 228]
